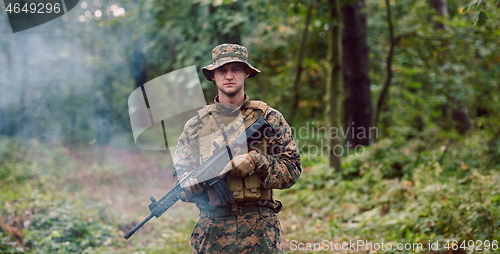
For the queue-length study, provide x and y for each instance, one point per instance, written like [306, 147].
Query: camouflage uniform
[255, 228]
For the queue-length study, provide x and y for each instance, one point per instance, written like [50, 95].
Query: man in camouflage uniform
[248, 223]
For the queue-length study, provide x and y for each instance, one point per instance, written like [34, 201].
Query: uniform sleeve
[184, 159]
[281, 167]
[186, 156]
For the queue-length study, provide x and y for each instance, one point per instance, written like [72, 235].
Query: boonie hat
[228, 53]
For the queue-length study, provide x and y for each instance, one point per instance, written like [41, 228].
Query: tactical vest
[247, 188]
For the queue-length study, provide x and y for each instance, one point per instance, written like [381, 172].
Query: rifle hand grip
[221, 189]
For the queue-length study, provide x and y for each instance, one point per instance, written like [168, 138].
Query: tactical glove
[240, 166]
[191, 187]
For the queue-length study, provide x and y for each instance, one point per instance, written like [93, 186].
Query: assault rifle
[210, 170]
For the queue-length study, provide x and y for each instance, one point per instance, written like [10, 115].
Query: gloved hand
[240, 166]
[191, 187]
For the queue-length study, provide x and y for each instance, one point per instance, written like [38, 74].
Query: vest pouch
[236, 186]
[252, 187]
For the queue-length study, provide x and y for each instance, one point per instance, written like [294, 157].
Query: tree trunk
[334, 85]
[296, 84]
[441, 6]
[388, 80]
[358, 106]
[462, 119]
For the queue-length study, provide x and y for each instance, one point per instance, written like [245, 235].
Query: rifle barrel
[132, 231]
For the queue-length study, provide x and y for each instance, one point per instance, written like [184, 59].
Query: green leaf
[495, 198]
[467, 7]
[481, 18]
[408, 234]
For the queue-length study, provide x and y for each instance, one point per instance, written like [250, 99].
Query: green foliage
[435, 69]
[432, 70]
[46, 187]
[29, 180]
[433, 194]
[65, 229]
[481, 5]
[420, 181]
[7, 244]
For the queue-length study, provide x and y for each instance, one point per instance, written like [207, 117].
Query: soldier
[248, 223]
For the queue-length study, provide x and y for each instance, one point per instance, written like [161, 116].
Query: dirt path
[121, 178]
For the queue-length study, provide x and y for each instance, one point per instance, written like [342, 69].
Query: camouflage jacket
[280, 169]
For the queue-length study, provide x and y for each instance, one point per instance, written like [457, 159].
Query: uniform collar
[230, 109]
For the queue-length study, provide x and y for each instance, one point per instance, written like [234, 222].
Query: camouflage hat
[228, 53]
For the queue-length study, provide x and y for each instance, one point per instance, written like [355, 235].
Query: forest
[394, 105]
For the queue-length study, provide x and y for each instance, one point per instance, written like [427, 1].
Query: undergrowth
[43, 209]
[399, 192]
[420, 190]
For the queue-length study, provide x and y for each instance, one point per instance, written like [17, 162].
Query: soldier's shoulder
[275, 117]
[272, 112]
[193, 124]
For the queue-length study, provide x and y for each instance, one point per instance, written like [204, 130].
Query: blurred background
[411, 84]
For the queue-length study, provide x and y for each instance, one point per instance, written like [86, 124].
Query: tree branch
[388, 79]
